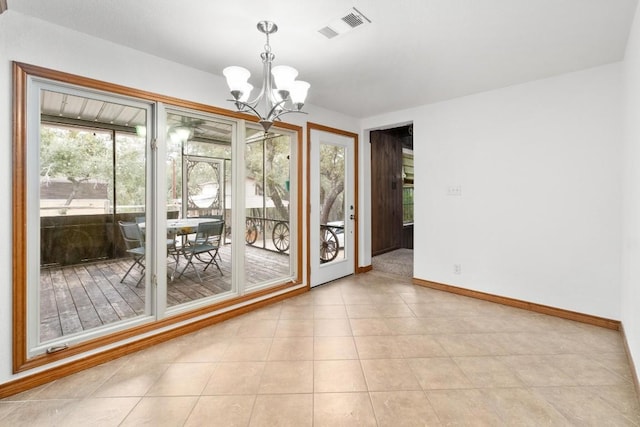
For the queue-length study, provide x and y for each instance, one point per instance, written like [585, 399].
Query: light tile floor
[362, 351]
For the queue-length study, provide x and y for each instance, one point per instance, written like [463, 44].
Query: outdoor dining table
[182, 227]
[186, 226]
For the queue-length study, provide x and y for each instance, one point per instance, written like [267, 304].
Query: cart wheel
[251, 232]
[328, 245]
[280, 236]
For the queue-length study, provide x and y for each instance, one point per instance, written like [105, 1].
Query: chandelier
[281, 93]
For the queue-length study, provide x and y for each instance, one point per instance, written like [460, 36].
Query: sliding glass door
[199, 189]
[268, 202]
[137, 212]
[88, 179]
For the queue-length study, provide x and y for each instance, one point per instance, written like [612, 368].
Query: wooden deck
[85, 296]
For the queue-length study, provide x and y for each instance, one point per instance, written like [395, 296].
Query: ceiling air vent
[328, 32]
[352, 19]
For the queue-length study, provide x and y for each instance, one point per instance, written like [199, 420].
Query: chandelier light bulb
[299, 91]
[284, 76]
[246, 92]
[236, 79]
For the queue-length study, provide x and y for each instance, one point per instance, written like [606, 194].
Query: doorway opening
[392, 187]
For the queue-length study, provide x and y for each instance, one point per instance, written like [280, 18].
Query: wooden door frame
[315, 126]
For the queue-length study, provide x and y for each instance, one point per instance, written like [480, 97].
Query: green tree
[83, 155]
[268, 164]
[130, 170]
[75, 155]
[332, 163]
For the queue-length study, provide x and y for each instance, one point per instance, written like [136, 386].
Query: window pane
[407, 185]
[332, 205]
[407, 204]
[268, 219]
[198, 208]
[92, 176]
[130, 174]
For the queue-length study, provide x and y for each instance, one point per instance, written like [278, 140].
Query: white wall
[32, 41]
[540, 212]
[631, 186]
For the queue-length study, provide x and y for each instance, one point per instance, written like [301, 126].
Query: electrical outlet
[457, 269]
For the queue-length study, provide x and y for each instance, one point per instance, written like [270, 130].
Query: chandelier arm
[246, 105]
[287, 111]
[255, 101]
[274, 109]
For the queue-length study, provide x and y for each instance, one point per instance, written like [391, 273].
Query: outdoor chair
[217, 218]
[172, 244]
[204, 247]
[134, 243]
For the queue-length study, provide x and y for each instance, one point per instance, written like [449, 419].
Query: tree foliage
[267, 162]
[130, 170]
[75, 155]
[82, 155]
[332, 164]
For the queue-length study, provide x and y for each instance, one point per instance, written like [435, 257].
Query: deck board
[97, 298]
[48, 306]
[86, 296]
[69, 317]
[84, 306]
[120, 306]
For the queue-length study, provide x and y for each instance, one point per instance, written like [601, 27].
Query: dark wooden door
[386, 192]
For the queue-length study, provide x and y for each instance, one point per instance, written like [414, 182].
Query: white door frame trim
[318, 127]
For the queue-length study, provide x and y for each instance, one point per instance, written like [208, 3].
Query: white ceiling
[414, 52]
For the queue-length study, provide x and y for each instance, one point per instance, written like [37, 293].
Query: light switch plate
[454, 190]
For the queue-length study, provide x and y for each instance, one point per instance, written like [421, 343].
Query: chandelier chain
[267, 46]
